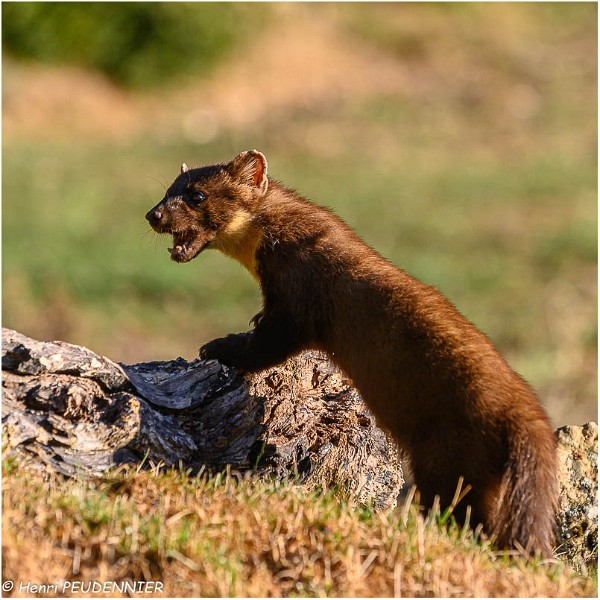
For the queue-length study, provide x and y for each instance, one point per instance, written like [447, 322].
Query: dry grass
[221, 536]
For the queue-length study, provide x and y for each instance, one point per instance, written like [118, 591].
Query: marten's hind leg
[449, 487]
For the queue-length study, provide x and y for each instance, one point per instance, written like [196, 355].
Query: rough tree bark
[75, 412]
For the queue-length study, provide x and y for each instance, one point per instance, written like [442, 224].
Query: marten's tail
[526, 506]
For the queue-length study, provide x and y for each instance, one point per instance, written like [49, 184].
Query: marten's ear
[184, 168]
[250, 167]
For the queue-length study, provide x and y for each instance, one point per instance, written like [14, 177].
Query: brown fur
[431, 378]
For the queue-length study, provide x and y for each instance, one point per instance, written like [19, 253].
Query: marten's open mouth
[186, 245]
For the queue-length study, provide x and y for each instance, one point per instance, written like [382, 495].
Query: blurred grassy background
[458, 139]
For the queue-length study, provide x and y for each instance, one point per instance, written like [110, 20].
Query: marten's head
[211, 206]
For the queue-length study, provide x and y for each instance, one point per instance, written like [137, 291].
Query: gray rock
[578, 494]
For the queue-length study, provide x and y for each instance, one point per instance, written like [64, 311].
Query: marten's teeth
[179, 249]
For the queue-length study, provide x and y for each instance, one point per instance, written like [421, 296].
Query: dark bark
[72, 411]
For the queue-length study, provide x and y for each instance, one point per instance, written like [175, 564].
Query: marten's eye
[198, 196]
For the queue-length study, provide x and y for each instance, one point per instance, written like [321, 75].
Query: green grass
[161, 42]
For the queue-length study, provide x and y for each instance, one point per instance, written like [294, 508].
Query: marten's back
[400, 340]
[356, 299]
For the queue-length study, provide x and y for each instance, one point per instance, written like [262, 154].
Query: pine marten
[430, 377]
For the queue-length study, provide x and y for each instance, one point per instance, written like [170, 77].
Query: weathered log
[75, 412]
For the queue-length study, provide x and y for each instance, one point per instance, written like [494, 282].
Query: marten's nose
[154, 216]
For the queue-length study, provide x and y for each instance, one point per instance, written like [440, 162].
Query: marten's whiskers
[162, 184]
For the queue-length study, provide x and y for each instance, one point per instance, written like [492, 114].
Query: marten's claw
[203, 354]
[255, 320]
[226, 349]
[210, 351]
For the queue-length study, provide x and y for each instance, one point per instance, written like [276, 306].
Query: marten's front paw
[226, 349]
